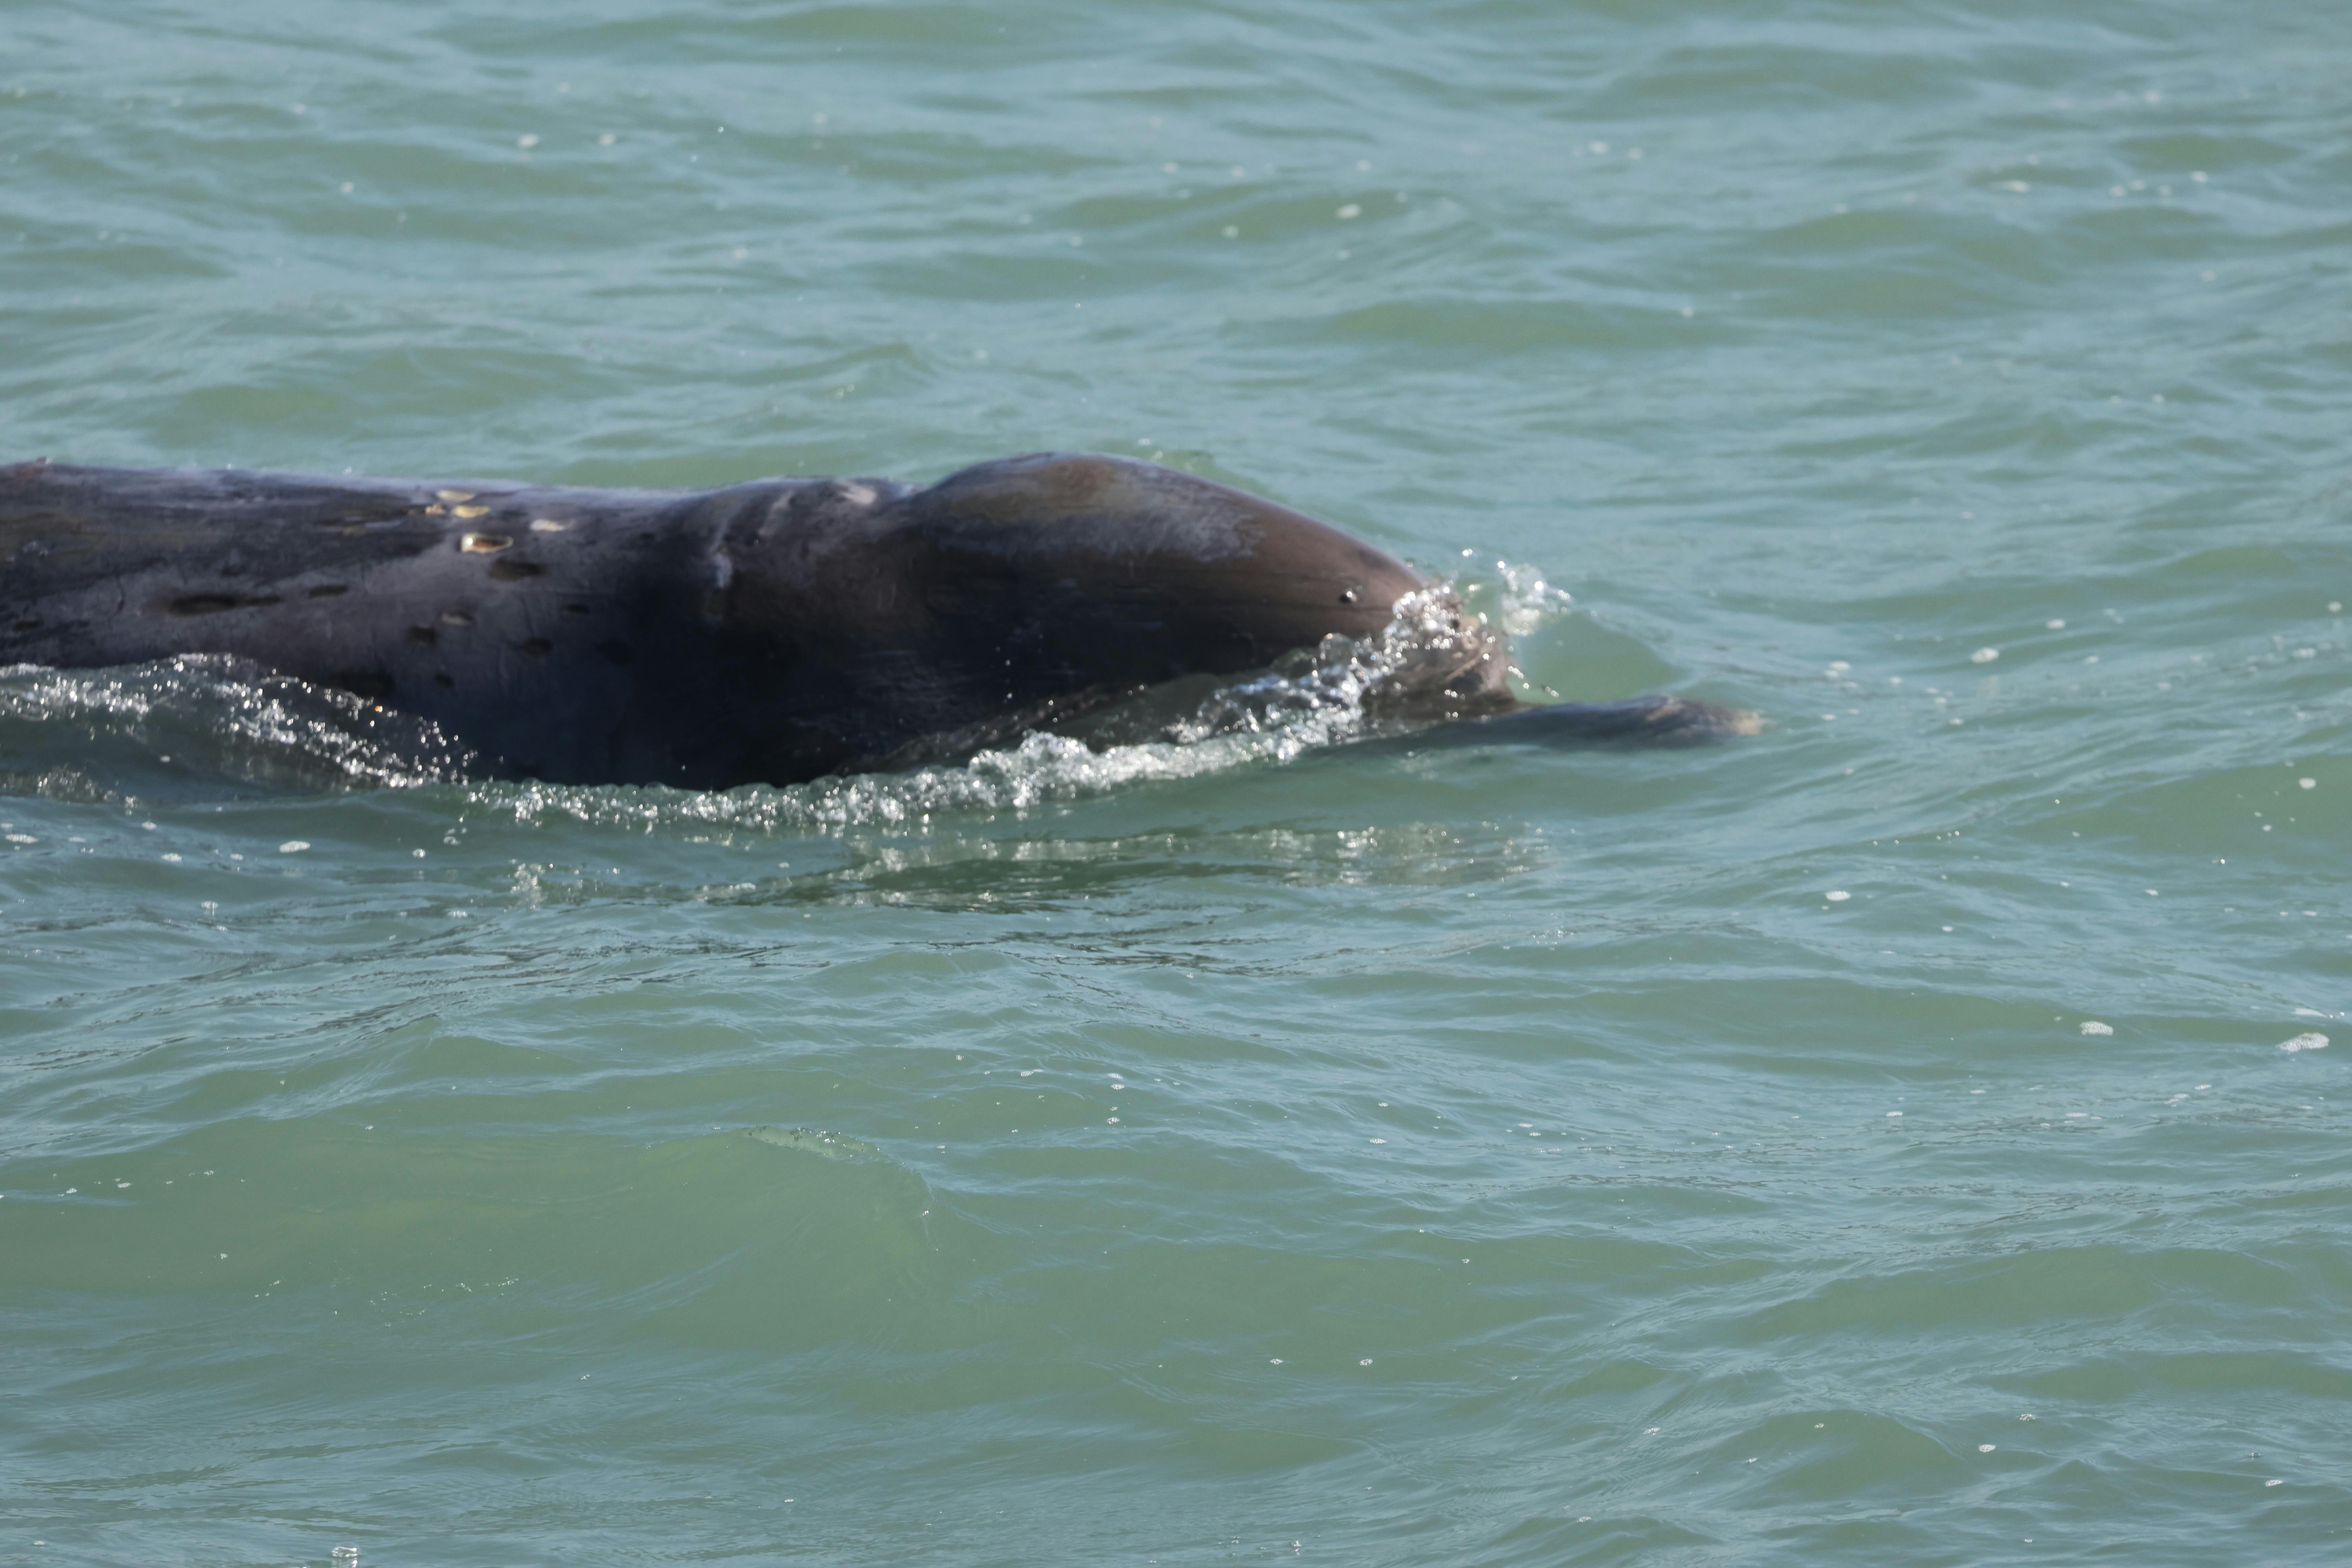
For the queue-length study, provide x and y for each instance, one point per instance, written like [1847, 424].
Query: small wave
[82, 733]
[816, 1140]
[1416, 671]
[102, 732]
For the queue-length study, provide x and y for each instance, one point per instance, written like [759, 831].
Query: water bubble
[1984, 656]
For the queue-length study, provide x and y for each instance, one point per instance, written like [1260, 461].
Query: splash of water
[212, 715]
[1342, 691]
[82, 732]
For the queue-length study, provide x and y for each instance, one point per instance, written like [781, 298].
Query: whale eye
[483, 543]
[1349, 597]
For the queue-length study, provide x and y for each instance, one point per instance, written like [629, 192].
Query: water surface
[1904, 1136]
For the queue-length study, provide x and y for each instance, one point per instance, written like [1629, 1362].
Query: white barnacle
[547, 525]
[483, 543]
[857, 494]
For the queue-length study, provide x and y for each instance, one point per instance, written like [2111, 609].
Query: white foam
[1529, 601]
[2311, 1042]
[1311, 702]
[2093, 1026]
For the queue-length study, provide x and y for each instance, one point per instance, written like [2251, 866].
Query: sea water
[1914, 1134]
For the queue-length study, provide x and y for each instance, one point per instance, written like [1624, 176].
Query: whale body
[769, 632]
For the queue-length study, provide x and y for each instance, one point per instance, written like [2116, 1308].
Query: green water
[1269, 1150]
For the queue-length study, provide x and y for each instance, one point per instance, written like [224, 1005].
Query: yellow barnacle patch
[454, 495]
[469, 511]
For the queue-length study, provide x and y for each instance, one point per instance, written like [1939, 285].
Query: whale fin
[1663, 720]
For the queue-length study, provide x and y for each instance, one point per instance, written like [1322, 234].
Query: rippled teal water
[1383, 1154]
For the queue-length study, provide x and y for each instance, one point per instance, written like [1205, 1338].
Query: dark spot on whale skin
[514, 571]
[575, 609]
[538, 648]
[26, 627]
[329, 590]
[374, 684]
[617, 650]
[423, 636]
[444, 683]
[215, 604]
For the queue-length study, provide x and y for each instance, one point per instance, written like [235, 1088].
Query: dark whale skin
[770, 632]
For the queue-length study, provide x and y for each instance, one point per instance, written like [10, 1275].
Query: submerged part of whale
[767, 632]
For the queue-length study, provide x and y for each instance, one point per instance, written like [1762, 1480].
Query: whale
[770, 632]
